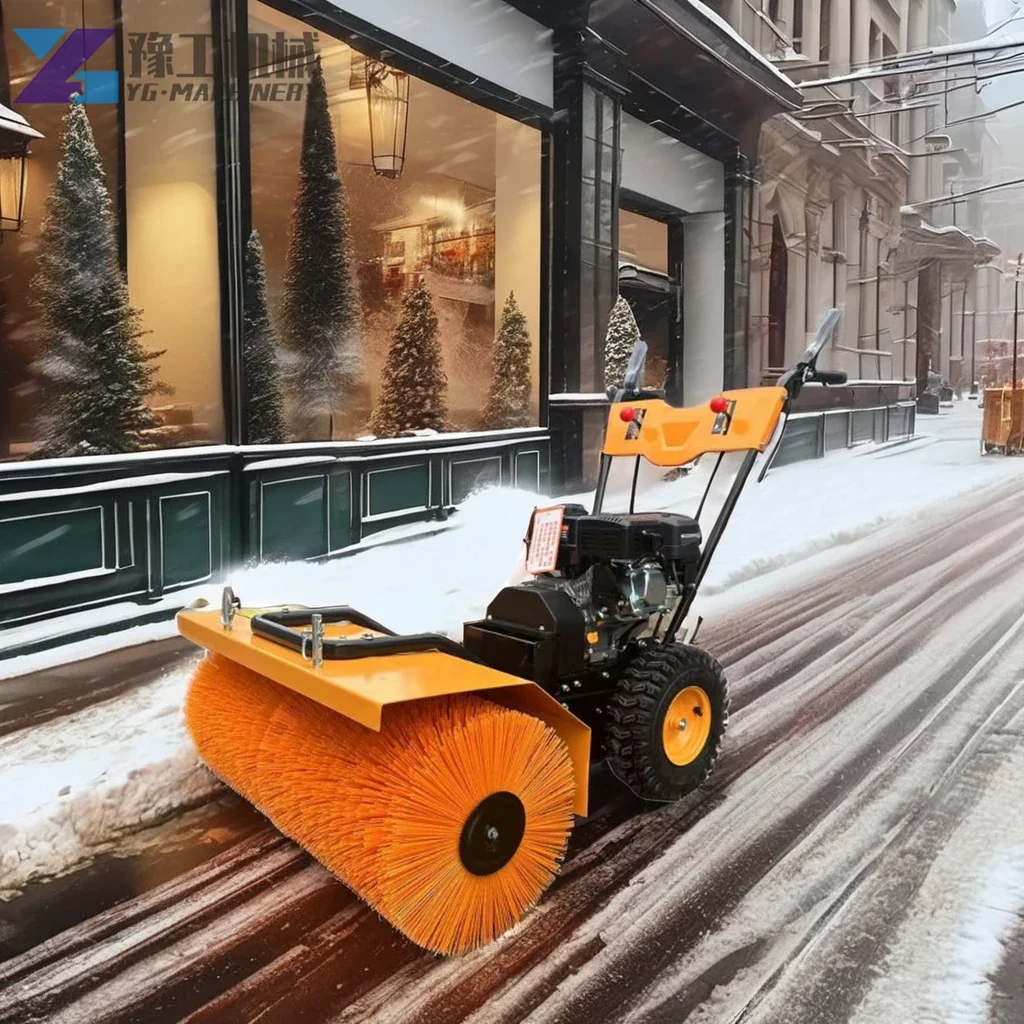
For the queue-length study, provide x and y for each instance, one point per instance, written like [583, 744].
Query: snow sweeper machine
[440, 780]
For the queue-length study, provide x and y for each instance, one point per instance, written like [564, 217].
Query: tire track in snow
[863, 865]
[796, 663]
[828, 979]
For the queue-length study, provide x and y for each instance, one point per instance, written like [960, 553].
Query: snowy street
[858, 856]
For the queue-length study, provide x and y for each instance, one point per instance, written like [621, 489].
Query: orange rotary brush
[450, 822]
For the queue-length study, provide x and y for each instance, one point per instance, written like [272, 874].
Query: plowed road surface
[857, 857]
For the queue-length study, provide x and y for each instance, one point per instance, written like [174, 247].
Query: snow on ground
[953, 941]
[74, 784]
[68, 786]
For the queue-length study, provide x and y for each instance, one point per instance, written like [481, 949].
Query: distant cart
[1002, 429]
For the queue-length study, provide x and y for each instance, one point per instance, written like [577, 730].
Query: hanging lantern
[387, 95]
[15, 135]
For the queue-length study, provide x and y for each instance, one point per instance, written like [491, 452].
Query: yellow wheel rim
[687, 726]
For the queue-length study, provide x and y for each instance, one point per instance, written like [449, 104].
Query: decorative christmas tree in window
[414, 388]
[622, 335]
[509, 402]
[263, 401]
[94, 376]
[321, 312]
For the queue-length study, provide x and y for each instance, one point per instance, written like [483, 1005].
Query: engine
[616, 576]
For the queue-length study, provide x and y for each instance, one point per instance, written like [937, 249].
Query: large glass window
[438, 216]
[170, 185]
[145, 216]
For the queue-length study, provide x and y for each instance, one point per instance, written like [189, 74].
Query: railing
[812, 435]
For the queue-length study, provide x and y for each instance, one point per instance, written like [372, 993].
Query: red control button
[719, 405]
[627, 415]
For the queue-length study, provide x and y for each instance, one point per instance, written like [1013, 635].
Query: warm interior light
[13, 168]
[387, 93]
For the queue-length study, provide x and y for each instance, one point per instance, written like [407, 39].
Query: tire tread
[633, 733]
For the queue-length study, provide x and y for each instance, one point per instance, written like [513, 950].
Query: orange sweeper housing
[440, 780]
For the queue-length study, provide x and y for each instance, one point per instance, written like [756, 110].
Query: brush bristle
[385, 811]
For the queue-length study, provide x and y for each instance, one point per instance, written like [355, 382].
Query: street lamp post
[974, 347]
[1018, 267]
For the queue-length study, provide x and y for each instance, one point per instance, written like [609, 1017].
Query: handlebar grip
[829, 377]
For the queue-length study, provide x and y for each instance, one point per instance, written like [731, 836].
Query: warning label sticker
[545, 539]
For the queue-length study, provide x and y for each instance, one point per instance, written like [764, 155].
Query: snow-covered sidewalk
[70, 786]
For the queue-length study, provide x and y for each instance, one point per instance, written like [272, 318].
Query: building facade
[485, 152]
[946, 258]
[833, 221]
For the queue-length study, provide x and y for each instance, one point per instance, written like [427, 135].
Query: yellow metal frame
[667, 436]
[360, 688]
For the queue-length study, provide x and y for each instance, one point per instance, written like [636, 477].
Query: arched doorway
[778, 285]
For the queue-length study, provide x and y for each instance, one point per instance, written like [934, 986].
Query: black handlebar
[833, 377]
[807, 369]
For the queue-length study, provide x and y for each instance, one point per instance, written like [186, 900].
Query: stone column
[796, 302]
[812, 26]
[839, 45]
[785, 19]
[947, 293]
[859, 52]
[703, 306]
[929, 322]
[818, 295]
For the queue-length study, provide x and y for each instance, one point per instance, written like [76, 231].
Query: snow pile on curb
[73, 785]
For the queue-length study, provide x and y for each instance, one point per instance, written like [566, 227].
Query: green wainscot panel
[398, 490]
[124, 512]
[528, 471]
[41, 546]
[185, 539]
[341, 510]
[473, 474]
[294, 520]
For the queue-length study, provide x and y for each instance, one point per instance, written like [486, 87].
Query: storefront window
[400, 229]
[147, 260]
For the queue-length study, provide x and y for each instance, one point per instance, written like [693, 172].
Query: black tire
[637, 711]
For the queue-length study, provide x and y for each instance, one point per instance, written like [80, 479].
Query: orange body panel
[667, 436]
[361, 687]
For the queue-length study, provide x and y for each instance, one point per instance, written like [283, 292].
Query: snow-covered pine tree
[414, 387]
[622, 335]
[508, 404]
[321, 315]
[94, 376]
[263, 401]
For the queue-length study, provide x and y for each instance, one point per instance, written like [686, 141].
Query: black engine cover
[625, 538]
[534, 631]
